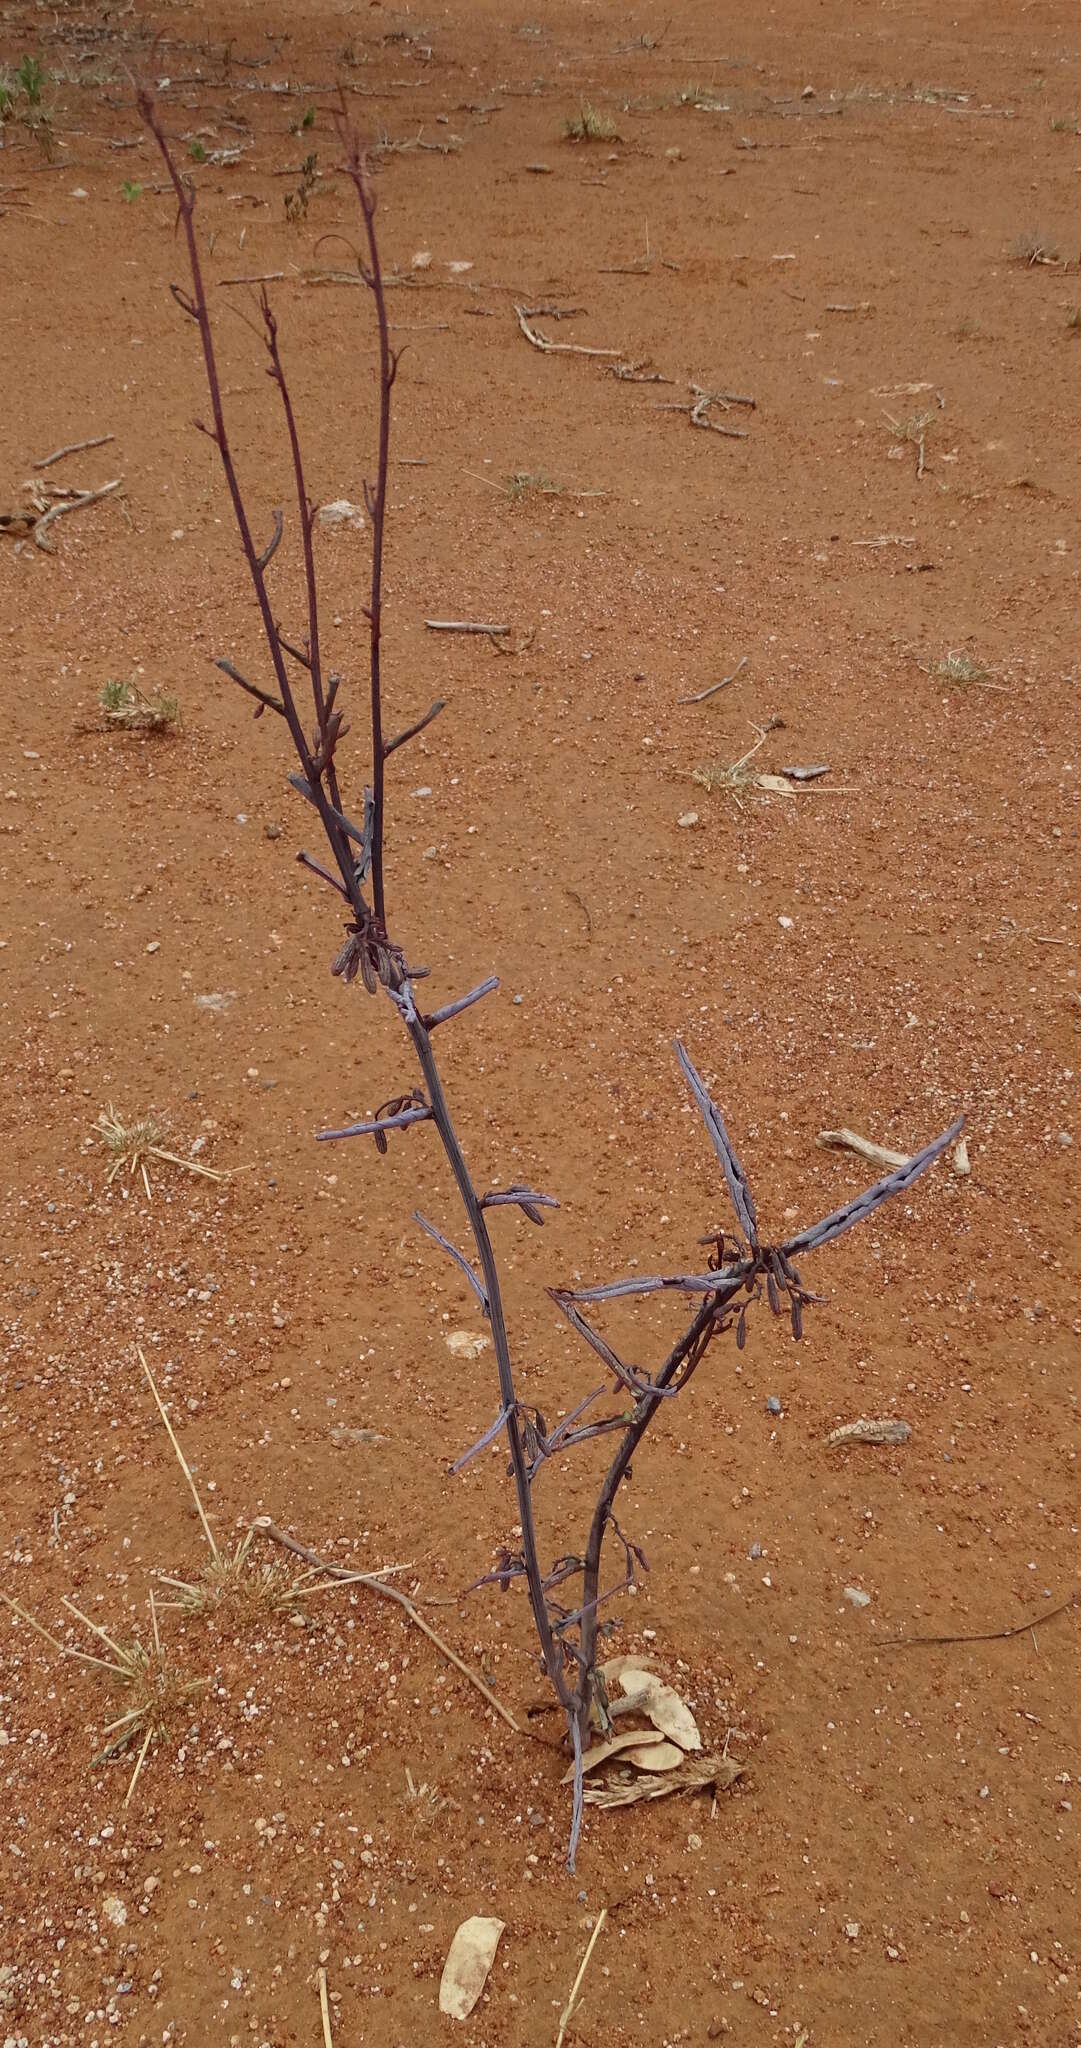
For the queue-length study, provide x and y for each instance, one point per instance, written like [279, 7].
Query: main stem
[550, 1649]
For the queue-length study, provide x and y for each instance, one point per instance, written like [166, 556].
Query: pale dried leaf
[469, 1959]
[693, 1775]
[599, 1752]
[647, 1694]
[776, 785]
[656, 1756]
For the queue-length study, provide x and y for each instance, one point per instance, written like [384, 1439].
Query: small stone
[755, 1550]
[857, 1598]
[688, 819]
[115, 1911]
[852, 1929]
[961, 1164]
[808, 93]
[424, 790]
[787, 924]
[272, 831]
[341, 513]
[1065, 1140]
[154, 946]
[773, 1405]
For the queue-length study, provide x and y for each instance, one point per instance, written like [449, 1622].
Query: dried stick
[993, 1635]
[263, 1526]
[701, 695]
[76, 504]
[181, 1459]
[324, 2010]
[461, 626]
[73, 448]
[567, 2013]
[560, 348]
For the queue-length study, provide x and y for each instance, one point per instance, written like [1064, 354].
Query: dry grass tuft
[588, 125]
[959, 669]
[124, 706]
[133, 1144]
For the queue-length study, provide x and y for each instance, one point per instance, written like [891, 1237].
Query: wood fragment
[993, 1635]
[263, 1526]
[701, 695]
[870, 1432]
[324, 2010]
[568, 2011]
[864, 1148]
[72, 504]
[73, 448]
[549, 347]
[462, 626]
[260, 277]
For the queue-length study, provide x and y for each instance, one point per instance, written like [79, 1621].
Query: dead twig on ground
[568, 2011]
[701, 404]
[991, 1635]
[75, 448]
[464, 626]
[700, 696]
[549, 347]
[263, 1526]
[324, 2009]
[74, 501]
[845, 1140]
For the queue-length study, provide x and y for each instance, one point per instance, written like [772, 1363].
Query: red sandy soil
[898, 1863]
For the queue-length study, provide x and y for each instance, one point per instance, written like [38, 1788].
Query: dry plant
[1032, 247]
[567, 1597]
[588, 125]
[960, 669]
[133, 1144]
[160, 1692]
[124, 706]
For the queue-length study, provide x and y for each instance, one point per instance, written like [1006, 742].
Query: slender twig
[263, 1526]
[568, 2011]
[462, 626]
[73, 448]
[65, 505]
[701, 695]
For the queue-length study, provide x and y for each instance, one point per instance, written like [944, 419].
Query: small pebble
[857, 1598]
[755, 1550]
[687, 819]
[272, 831]
[787, 924]
[773, 1405]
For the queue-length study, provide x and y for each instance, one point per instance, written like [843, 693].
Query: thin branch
[73, 448]
[458, 1257]
[449, 1010]
[269, 703]
[274, 542]
[411, 731]
[895, 1183]
[65, 505]
[735, 1178]
[265, 1527]
[375, 1125]
[560, 348]
[324, 874]
[526, 1199]
[700, 696]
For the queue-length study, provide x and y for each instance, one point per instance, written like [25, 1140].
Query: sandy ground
[855, 215]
